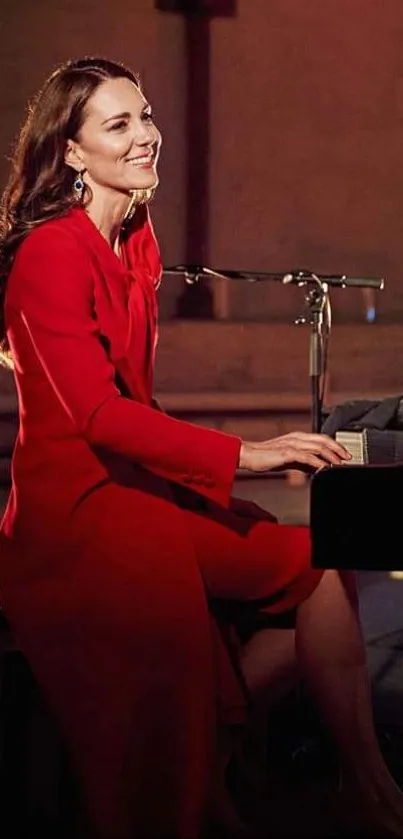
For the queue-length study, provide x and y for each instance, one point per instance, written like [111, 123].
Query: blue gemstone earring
[79, 185]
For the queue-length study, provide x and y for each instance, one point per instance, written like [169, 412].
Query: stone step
[273, 358]
[252, 416]
[253, 378]
[216, 402]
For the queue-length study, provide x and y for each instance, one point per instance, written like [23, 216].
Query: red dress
[118, 536]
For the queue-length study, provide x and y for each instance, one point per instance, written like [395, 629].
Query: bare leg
[269, 667]
[331, 653]
[329, 643]
[328, 650]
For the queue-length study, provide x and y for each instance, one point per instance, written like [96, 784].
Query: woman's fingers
[303, 449]
[308, 460]
[313, 458]
[324, 440]
[318, 444]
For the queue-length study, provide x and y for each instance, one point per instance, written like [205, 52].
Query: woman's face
[118, 144]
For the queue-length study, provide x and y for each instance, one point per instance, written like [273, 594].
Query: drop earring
[138, 197]
[79, 185]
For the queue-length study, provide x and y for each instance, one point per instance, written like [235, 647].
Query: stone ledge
[253, 402]
[251, 415]
[235, 357]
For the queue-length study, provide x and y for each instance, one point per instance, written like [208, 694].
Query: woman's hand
[296, 450]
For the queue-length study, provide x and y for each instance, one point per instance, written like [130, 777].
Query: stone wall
[305, 131]
[304, 170]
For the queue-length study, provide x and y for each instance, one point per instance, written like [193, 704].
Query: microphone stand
[317, 299]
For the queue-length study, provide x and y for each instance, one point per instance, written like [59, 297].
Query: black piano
[355, 517]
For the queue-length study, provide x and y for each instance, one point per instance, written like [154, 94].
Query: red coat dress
[118, 535]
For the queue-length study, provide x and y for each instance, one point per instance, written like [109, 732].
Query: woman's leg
[270, 668]
[328, 650]
[269, 565]
[331, 654]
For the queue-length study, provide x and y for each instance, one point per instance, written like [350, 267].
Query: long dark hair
[40, 185]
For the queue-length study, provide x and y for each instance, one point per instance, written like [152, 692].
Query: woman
[120, 536]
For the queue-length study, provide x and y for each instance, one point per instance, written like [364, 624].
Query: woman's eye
[118, 126]
[148, 116]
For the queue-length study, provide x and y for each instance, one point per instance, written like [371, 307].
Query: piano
[355, 517]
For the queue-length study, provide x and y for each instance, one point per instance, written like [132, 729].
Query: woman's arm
[51, 290]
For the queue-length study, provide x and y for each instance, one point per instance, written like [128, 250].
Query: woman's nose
[144, 134]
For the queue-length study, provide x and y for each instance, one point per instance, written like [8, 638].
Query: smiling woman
[91, 115]
[141, 592]
[117, 150]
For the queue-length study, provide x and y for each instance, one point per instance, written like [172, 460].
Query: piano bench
[354, 520]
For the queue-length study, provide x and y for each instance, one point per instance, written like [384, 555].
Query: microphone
[194, 272]
[191, 273]
[300, 277]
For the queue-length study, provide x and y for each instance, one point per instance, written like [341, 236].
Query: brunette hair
[40, 185]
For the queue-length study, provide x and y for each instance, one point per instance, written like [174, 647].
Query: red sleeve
[51, 289]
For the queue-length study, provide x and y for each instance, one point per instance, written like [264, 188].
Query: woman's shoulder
[53, 236]
[51, 262]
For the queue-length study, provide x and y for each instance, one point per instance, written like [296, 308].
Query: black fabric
[382, 421]
[365, 413]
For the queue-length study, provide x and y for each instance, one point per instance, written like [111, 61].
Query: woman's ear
[72, 156]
